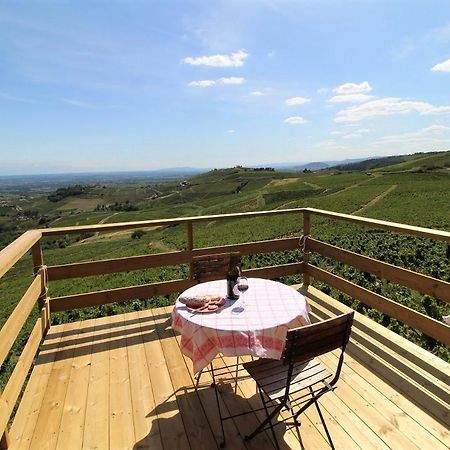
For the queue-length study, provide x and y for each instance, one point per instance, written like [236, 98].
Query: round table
[258, 329]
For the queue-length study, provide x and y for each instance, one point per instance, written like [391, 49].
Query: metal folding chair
[298, 380]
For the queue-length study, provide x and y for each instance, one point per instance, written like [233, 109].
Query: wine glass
[242, 285]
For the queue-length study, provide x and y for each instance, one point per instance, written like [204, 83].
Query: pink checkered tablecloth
[260, 329]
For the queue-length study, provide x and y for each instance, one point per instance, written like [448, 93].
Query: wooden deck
[121, 382]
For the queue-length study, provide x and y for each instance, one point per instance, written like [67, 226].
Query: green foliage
[137, 234]
[69, 191]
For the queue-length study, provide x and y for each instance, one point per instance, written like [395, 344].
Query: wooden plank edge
[14, 251]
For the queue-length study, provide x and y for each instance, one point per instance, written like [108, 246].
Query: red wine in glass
[242, 285]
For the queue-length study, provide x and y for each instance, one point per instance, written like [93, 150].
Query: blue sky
[136, 85]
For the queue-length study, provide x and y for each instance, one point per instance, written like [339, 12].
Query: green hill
[415, 162]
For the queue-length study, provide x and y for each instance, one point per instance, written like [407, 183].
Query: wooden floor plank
[121, 427]
[169, 420]
[146, 426]
[74, 410]
[27, 413]
[96, 423]
[49, 418]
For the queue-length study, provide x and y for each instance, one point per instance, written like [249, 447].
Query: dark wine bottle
[232, 276]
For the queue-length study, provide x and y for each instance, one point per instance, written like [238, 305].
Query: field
[416, 193]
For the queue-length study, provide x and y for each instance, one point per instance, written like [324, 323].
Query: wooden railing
[37, 291]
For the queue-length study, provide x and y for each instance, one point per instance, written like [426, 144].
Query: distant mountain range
[317, 165]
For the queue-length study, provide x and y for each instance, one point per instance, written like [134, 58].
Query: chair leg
[236, 375]
[214, 384]
[323, 421]
[270, 422]
[267, 420]
[197, 382]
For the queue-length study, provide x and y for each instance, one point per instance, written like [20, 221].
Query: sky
[141, 85]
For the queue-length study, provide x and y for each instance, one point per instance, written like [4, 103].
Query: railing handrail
[14, 251]
[367, 221]
[385, 225]
[159, 222]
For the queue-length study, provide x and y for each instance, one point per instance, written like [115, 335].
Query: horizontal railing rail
[102, 267]
[407, 278]
[384, 225]
[431, 327]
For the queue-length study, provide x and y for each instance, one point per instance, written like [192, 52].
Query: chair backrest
[305, 343]
[213, 267]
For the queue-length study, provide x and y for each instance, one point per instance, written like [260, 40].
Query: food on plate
[203, 303]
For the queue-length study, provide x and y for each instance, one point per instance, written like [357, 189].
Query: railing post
[190, 246]
[43, 303]
[306, 253]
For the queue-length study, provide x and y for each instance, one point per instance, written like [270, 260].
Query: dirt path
[104, 220]
[375, 199]
[314, 186]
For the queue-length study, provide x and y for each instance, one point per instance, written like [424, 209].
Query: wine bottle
[232, 276]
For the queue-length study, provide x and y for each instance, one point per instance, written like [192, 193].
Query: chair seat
[271, 375]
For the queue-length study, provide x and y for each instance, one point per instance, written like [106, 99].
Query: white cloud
[350, 98]
[223, 80]
[353, 88]
[426, 133]
[202, 83]
[386, 107]
[231, 131]
[351, 135]
[295, 120]
[297, 101]
[14, 98]
[442, 67]
[77, 103]
[257, 93]
[322, 90]
[235, 59]
[231, 80]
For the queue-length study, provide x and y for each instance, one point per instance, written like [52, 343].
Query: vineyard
[416, 193]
